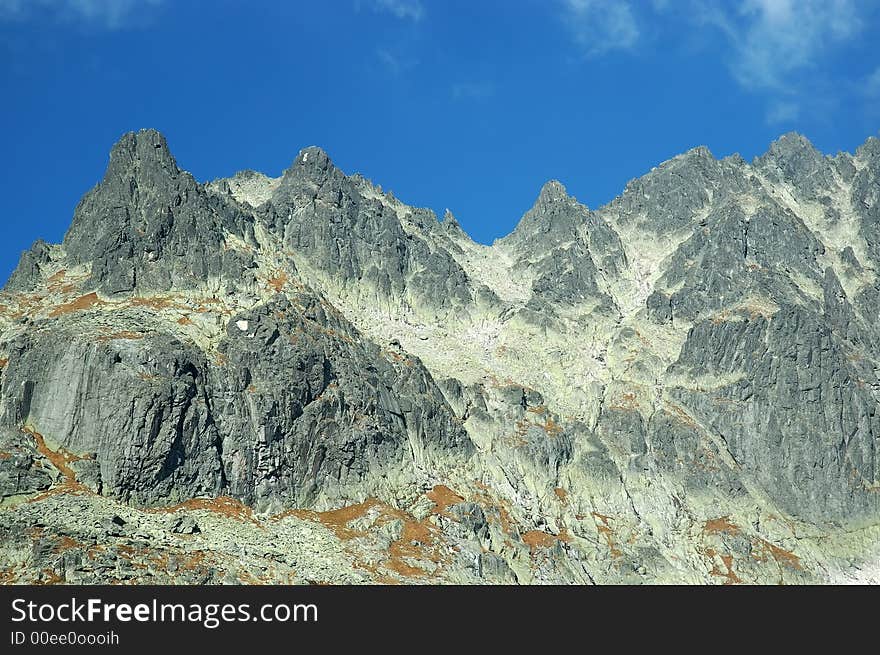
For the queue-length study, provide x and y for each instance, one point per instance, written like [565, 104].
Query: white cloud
[776, 39]
[600, 26]
[781, 48]
[395, 63]
[105, 14]
[404, 9]
[783, 111]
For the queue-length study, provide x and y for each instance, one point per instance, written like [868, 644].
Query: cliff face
[304, 379]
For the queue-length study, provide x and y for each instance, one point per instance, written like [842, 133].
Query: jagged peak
[552, 191]
[700, 152]
[790, 145]
[869, 150]
[449, 219]
[144, 147]
[310, 160]
[312, 165]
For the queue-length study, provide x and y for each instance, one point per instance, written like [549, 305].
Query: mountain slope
[680, 386]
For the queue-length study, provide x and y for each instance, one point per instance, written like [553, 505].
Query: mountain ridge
[678, 386]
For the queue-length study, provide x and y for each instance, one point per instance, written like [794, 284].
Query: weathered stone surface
[677, 387]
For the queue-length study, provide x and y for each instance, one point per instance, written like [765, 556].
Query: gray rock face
[149, 226]
[801, 417]
[358, 241]
[680, 386]
[296, 409]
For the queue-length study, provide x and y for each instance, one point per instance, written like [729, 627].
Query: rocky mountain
[303, 379]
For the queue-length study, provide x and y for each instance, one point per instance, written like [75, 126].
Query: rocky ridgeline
[303, 379]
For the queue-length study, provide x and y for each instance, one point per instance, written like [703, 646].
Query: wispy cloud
[779, 47]
[395, 63]
[104, 14]
[773, 40]
[783, 111]
[404, 9]
[600, 26]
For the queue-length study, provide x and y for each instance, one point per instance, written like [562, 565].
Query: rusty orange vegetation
[8, 576]
[607, 532]
[5, 456]
[442, 497]
[766, 551]
[156, 302]
[184, 320]
[418, 539]
[551, 427]
[535, 539]
[278, 281]
[51, 578]
[495, 510]
[561, 494]
[626, 403]
[730, 576]
[56, 277]
[60, 459]
[66, 543]
[721, 525]
[83, 302]
[3, 363]
[223, 505]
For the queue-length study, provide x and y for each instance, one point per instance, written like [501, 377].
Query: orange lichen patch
[278, 281]
[66, 543]
[495, 510]
[679, 413]
[561, 494]
[61, 459]
[5, 456]
[184, 320]
[54, 281]
[720, 317]
[51, 577]
[538, 539]
[729, 575]
[246, 577]
[124, 334]
[764, 551]
[8, 576]
[82, 303]
[223, 505]
[220, 359]
[721, 525]
[3, 363]
[607, 533]
[551, 427]
[443, 497]
[336, 520]
[537, 409]
[626, 403]
[156, 302]
[418, 542]
[397, 357]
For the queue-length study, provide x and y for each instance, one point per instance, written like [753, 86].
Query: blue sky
[470, 105]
